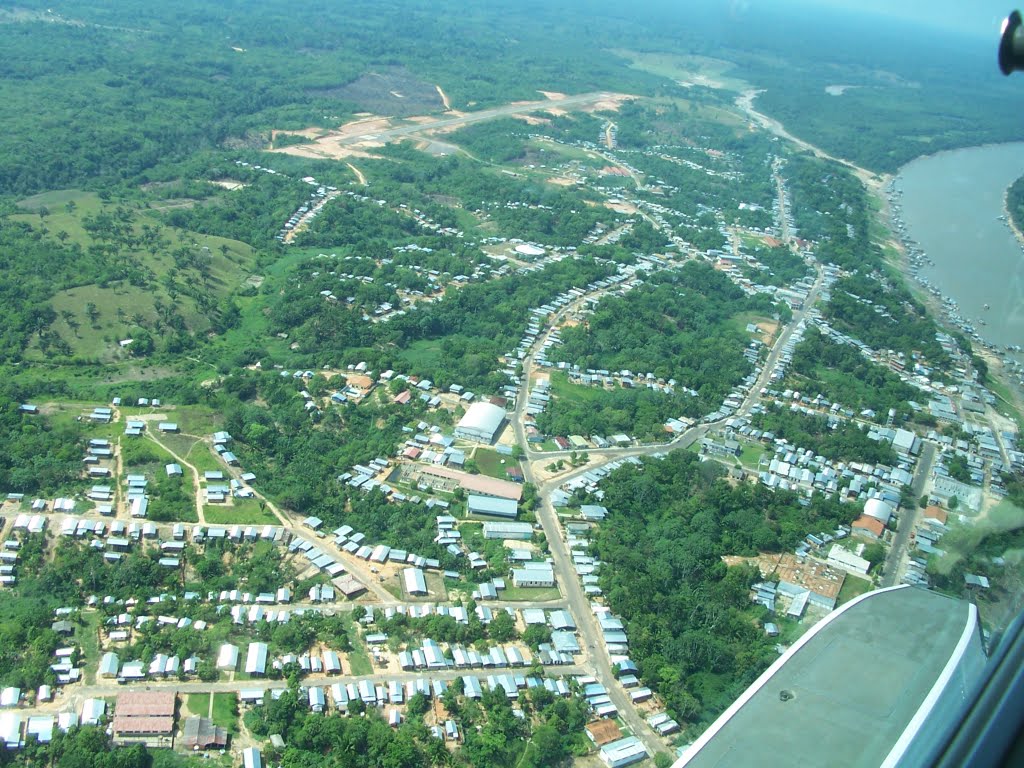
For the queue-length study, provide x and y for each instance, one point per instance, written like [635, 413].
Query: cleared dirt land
[359, 137]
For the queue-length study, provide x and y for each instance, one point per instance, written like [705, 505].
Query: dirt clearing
[444, 98]
[358, 173]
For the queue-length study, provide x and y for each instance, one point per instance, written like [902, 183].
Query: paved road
[898, 551]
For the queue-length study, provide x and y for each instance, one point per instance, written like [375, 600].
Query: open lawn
[424, 353]
[144, 455]
[241, 512]
[198, 704]
[493, 464]
[1005, 400]
[561, 387]
[688, 70]
[358, 658]
[225, 711]
[740, 322]
[526, 594]
[196, 420]
[87, 639]
[193, 451]
[750, 454]
[853, 586]
[65, 413]
[168, 758]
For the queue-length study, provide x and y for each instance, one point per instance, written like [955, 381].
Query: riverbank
[912, 261]
[1009, 217]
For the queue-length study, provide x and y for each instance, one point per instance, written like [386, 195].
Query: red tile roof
[143, 724]
[866, 523]
[936, 513]
[145, 703]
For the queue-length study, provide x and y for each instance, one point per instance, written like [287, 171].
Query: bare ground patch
[394, 91]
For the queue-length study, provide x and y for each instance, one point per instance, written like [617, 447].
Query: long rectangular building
[256, 659]
[508, 530]
[144, 713]
[537, 575]
[492, 507]
[414, 582]
[477, 484]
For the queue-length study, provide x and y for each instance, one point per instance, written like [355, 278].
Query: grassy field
[135, 448]
[493, 464]
[1004, 405]
[425, 353]
[64, 414]
[699, 70]
[197, 420]
[193, 451]
[198, 703]
[852, 587]
[536, 594]
[750, 454]
[241, 512]
[121, 306]
[561, 387]
[740, 321]
[358, 658]
[168, 758]
[87, 638]
[225, 708]
[225, 711]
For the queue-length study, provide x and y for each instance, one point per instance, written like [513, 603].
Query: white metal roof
[483, 417]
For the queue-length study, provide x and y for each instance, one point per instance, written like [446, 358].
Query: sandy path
[196, 487]
[745, 102]
[358, 173]
[444, 98]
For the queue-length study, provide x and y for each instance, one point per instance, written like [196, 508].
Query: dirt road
[745, 101]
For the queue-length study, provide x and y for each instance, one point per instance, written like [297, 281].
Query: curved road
[595, 656]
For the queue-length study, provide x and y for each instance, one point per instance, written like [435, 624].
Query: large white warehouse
[878, 509]
[481, 422]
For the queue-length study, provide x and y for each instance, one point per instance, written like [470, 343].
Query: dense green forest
[901, 98]
[843, 441]
[493, 734]
[677, 325]
[781, 267]
[36, 455]
[89, 746]
[1015, 202]
[692, 628]
[830, 206]
[843, 375]
[638, 412]
[880, 311]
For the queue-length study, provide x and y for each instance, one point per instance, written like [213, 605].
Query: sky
[975, 18]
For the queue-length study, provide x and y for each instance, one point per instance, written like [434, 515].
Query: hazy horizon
[980, 18]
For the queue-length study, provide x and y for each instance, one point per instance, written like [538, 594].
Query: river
[952, 204]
